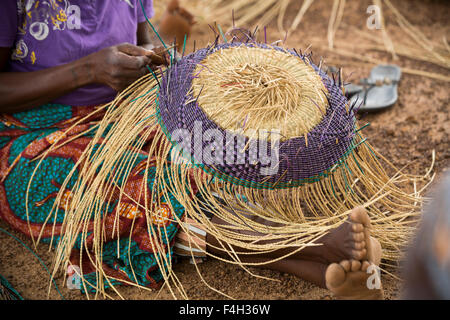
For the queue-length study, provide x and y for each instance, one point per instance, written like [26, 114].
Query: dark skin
[116, 67]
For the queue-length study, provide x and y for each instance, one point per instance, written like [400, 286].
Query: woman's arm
[116, 66]
[144, 33]
[22, 90]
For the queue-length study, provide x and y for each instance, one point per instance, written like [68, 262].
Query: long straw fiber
[320, 164]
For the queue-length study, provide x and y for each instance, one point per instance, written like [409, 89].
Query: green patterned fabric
[27, 135]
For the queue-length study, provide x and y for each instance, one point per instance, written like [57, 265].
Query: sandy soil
[406, 134]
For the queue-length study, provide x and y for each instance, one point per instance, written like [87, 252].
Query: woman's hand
[117, 67]
[121, 65]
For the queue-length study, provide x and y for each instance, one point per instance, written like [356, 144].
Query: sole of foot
[353, 280]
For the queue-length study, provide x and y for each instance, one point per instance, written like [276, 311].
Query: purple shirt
[48, 33]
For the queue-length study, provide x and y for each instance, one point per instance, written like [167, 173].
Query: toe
[334, 276]
[359, 254]
[359, 215]
[358, 237]
[357, 227]
[346, 265]
[359, 245]
[365, 265]
[356, 265]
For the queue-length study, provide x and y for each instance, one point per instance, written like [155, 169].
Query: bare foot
[348, 280]
[352, 240]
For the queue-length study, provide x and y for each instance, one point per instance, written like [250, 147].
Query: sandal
[379, 91]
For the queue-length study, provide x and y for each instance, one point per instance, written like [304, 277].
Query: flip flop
[379, 91]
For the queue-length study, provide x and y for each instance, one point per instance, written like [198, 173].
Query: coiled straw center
[246, 89]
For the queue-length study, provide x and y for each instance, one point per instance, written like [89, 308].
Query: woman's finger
[133, 62]
[133, 50]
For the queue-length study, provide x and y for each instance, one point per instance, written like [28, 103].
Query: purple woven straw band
[299, 160]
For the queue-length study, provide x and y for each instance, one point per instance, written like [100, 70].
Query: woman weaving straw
[64, 60]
